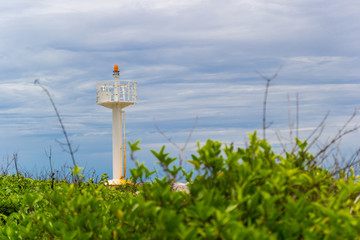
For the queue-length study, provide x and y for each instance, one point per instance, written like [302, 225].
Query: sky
[190, 58]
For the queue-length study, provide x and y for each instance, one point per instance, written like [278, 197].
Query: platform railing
[116, 91]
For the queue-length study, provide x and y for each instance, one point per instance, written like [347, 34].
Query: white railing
[112, 91]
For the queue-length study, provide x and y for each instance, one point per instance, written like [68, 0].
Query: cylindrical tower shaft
[117, 142]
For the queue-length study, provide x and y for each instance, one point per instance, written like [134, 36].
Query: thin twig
[290, 124]
[49, 156]
[268, 80]
[15, 159]
[181, 149]
[52, 174]
[320, 127]
[297, 115]
[280, 140]
[341, 133]
[71, 152]
[355, 202]
[5, 171]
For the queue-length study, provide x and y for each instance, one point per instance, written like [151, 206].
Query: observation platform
[116, 93]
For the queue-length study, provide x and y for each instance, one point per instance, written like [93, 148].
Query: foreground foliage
[243, 193]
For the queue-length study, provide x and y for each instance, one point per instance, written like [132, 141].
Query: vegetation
[236, 193]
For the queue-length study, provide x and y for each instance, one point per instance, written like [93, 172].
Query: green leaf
[195, 163]
[134, 146]
[76, 170]
[231, 207]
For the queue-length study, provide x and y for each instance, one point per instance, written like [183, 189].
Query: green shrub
[235, 193]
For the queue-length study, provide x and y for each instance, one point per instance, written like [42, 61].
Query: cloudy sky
[190, 58]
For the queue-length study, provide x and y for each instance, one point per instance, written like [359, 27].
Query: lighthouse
[117, 94]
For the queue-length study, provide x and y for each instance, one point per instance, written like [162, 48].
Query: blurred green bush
[235, 193]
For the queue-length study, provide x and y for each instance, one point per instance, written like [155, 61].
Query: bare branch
[297, 115]
[71, 152]
[164, 135]
[268, 81]
[319, 128]
[290, 124]
[15, 159]
[280, 140]
[341, 133]
[181, 149]
[49, 156]
[191, 132]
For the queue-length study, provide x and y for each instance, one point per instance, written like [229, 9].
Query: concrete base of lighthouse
[117, 182]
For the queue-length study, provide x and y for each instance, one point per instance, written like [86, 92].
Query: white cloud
[189, 58]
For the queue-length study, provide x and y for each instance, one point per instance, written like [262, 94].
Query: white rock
[181, 187]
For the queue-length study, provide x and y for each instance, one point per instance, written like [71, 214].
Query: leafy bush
[236, 193]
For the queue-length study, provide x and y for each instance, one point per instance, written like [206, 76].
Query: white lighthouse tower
[117, 94]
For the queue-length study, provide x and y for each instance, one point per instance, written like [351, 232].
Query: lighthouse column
[117, 143]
